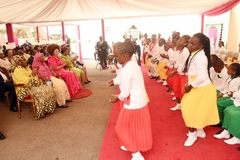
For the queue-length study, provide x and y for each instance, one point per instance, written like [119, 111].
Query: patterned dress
[44, 96]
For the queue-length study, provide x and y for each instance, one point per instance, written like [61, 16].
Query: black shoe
[169, 90]
[89, 81]
[2, 136]
[13, 109]
[69, 100]
[86, 82]
[152, 77]
[80, 63]
[157, 78]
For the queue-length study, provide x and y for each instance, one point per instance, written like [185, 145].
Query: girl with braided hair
[199, 103]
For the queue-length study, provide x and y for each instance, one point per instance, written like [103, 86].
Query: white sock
[137, 154]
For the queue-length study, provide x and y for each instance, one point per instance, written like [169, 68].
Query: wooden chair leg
[34, 111]
[29, 107]
[19, 109]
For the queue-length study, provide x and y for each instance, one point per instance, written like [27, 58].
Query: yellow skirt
[148, 61]
[199, 107]
[161, 70]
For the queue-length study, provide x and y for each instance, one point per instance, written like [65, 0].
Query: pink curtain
[219, 10]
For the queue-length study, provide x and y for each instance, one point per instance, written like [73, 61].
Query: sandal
[2, 136]
[64, 106]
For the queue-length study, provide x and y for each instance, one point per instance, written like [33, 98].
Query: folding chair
[98, 63]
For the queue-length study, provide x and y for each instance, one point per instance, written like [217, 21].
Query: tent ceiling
[35, 11]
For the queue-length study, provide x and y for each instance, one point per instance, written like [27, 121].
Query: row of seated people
[168, 63]
[227, 83]
[45, 96]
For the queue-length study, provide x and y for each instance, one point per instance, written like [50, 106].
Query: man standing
[68, 40]
[102, 48]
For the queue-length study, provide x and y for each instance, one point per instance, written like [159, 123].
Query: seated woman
[66, 58]
[4, 61]
[59, 86]
[58, 65]
[44, 96]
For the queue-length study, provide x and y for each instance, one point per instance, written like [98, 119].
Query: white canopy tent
[43, 13]
[35, 11]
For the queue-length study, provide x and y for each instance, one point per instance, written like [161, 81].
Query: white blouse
[171, 60]
[198, 66]
[132, 86]
[180, 62]
[219, 79]
[5, 63]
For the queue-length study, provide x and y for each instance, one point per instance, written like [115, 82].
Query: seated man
[6, 85]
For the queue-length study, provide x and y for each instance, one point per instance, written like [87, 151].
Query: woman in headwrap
[44, 96]
[46, 74]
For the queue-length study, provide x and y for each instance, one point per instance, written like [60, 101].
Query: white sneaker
[232, 141]
[174, 98]
[123, 148]
[164, 83]
[137, 156]
[172, 94]
[177, 107]
[200, 133]
[159, 81]
[192, 137]
[223, 134]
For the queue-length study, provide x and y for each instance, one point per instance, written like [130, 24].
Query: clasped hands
[187, 88]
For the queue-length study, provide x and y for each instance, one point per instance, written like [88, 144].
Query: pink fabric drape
[103, 29]
[219, 10]
[79, 42]
[10, 34]
[213, 33]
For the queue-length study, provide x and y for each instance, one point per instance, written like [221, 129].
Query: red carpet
[169, 133]
[82, 93]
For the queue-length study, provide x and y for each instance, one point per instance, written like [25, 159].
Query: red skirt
[134, 129]
[120, 104]
[171, 80]
[178, 87]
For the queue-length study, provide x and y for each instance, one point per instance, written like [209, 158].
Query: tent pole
[48, 39]
[63, 34]
[10, 35]
[103, 29]
[38, 38]
[79, 42]
[202, 24]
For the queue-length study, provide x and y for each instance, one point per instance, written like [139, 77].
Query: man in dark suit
[6, 85]
[102, 48]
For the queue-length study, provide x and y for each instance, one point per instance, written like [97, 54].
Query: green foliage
[55, 36]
